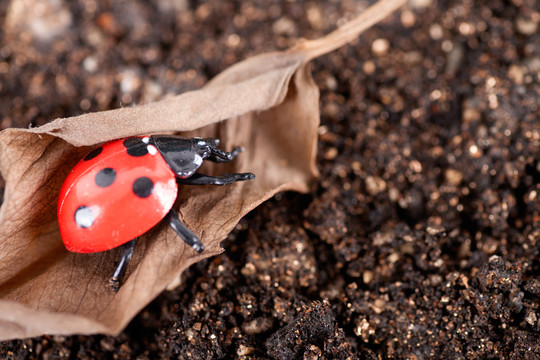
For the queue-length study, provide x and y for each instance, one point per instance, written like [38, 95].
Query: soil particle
[306, 334]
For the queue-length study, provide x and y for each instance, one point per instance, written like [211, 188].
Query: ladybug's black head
[205, 145]
[184, 156]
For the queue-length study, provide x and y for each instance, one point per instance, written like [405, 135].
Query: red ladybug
[123, 188]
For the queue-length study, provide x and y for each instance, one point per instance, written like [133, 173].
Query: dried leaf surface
[271, 104]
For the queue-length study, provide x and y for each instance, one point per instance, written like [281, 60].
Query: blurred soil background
[421, 240]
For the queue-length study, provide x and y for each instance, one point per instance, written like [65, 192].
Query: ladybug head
[184, 156]
[205, 145]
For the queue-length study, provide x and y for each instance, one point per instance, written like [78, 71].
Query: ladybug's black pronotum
[123, 188]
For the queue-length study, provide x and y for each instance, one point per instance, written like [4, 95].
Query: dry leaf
[272, 106]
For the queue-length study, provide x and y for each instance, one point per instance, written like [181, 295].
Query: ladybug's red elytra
[123, 188]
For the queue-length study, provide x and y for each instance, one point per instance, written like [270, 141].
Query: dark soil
[421, 240]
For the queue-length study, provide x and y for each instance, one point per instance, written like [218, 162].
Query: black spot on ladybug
[84, 217]
[143, 187]
[135, 146]
[92, 154]
[105, 177]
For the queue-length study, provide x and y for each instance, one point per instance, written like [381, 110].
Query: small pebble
[380, 47]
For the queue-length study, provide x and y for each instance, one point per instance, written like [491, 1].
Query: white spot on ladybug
[146, 140]
[152, 149]
[198, 160]
[85, 217]
[201, 143]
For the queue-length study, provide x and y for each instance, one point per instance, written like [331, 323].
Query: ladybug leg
[127, 252]
[218, 155]
[182, 230]
[225, 179]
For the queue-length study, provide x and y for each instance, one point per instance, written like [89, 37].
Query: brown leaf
[271, 104]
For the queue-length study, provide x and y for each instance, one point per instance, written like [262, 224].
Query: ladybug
[123, 188]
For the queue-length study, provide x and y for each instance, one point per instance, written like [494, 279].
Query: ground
[420, 240]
